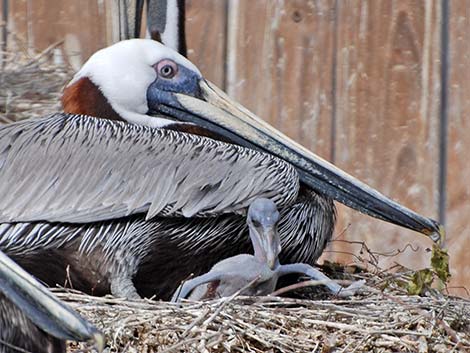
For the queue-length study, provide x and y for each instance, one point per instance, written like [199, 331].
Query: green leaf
[440, 263]
[420, 281]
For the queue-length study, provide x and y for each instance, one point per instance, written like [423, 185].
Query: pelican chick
[255, 274]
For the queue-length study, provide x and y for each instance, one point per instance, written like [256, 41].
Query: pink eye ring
[167, 68]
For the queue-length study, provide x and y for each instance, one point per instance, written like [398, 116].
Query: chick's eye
[167, 68]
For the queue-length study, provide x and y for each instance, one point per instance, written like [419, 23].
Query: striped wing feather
[78, 169]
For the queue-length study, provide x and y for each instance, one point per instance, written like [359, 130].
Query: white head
[124, 72]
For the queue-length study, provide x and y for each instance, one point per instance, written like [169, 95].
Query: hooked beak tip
[437, 236]
[99, 339]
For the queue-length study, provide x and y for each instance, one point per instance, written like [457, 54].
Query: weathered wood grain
[387, 115]
[279, 65]
[206, 24]
[81, 24]
[458, 168]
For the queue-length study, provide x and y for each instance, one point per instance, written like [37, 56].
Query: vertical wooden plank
[81, 24]
[279, 60]
[4, 5]
[206, 24]
[112, 25]
[458, 176]
[17, 22]
[387, 115]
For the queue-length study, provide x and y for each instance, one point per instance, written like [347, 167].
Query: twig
[182, 343]
[310, 283]
[44, 52]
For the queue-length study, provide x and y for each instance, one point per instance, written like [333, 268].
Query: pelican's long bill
[42, 307]
[217, 112]
[272, 247]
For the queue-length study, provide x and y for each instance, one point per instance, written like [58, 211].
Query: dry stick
[227, 300]
[254, 337]
[215, 342]
[402, 341]
[348, 327]
[68, 279]
[309, 283]
[196, 322]
[340, 234]
[6, 120]
[126, 347]
[365, 339]
[223, 303]
[180, 288]
[244, 326]
[315, 348]
[467, 291]
[44, 52]
[181, 343]
[68, 294]
[452, 334]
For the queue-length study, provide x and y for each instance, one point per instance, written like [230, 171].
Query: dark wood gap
[443, 114]
[333, 85]
[226, 49]
[4, 28]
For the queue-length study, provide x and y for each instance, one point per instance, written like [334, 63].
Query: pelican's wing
[77, 169]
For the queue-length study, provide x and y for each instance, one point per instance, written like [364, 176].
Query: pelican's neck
[84, 97]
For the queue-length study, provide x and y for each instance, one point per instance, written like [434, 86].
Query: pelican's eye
[256, 223]
[167, 68]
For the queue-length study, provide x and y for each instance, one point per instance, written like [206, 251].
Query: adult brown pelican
[151, 182]
[32, 319]
[255, 274]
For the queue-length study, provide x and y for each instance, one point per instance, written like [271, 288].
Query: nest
[31, 83]
[383, 318]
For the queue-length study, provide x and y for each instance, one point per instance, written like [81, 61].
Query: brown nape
[84, 97]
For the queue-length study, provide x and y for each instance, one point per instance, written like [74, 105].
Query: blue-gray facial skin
[161, 90]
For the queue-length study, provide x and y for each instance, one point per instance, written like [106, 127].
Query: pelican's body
[254, 274]
[152, 181]
[109, 255]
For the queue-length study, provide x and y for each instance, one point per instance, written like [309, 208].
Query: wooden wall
[380, 88]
